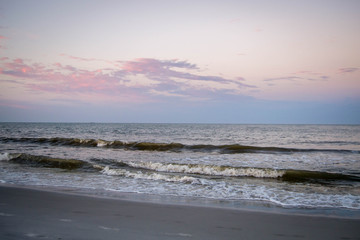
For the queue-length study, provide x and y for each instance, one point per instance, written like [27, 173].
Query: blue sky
[180, 61]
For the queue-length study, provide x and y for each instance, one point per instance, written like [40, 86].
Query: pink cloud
[57, 80]
[168, 76]
[168, 69]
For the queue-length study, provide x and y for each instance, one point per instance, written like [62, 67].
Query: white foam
[6, 214]
[108, 228]
[178, 234]
[209, 169]
[4, 157]
[149, 176]
[217, 189]
[102, 143]
[7, 156]
[65, 220]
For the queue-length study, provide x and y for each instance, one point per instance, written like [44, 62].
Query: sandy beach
[37, 214]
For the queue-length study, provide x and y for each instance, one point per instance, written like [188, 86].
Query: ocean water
[289, 166]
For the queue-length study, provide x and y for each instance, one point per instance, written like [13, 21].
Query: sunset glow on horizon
[166, 61]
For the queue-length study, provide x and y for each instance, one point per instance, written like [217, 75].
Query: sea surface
[288, 166]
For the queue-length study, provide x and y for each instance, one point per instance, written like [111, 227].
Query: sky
[204, 61]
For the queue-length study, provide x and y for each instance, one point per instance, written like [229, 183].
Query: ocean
[315, 167]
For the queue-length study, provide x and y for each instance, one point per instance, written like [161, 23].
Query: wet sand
[36, 214]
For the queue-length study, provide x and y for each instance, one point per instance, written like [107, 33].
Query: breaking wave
[174, 171]
[149, 176]
[174, 147]
[228, 171]
[211, 170]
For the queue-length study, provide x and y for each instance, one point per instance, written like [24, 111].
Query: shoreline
[236, 205]
[27, 213]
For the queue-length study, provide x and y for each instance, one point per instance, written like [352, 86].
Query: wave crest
[149, 176]
[178, 172]
[174, 147]
[44, 161]
[212, 170]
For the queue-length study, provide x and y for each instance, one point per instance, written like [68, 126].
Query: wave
[6, 156]
[173, 147]
[210, 170]
[149, 176]
[44, 161]
[177, 172]
[290, 175]
[316, 176]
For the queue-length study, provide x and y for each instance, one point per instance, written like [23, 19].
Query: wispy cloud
[287, 78]
[347, 70]
[298, 77]
[154, 66]
[137, 79]
[167, 70]
[84, 59]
